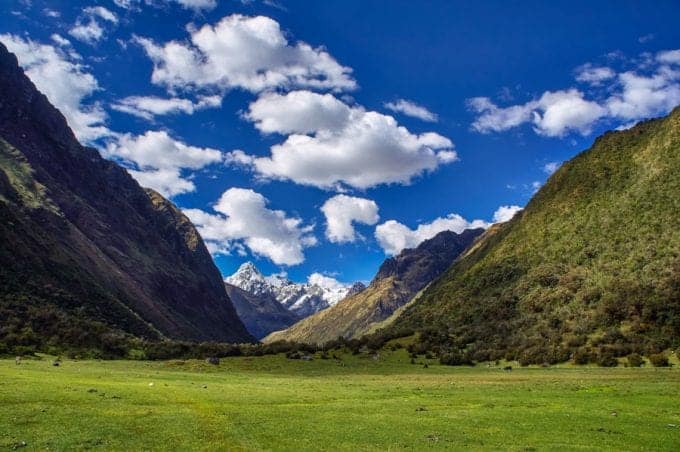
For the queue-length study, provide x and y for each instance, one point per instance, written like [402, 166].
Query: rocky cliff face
[261, 314]
[398, 280]
[82, 244]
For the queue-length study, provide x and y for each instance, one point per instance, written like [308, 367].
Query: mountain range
[589, 270]
[270, 303]
[87, 254]
[398, 280]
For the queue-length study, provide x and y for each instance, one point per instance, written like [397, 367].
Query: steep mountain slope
[302, 299]
[85, 251]
[398, 280]
[261, 314]
[589, 269]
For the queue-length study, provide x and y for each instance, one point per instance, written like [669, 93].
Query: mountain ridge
[589, 270]
[398, 280]
[303, 299]
[85, 250]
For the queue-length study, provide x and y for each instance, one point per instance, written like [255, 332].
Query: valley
[355, 402]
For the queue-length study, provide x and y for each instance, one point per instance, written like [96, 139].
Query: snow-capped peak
[320, 292]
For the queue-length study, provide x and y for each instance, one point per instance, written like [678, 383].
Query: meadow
[356, 402]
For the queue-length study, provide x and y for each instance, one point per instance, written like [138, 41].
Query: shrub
[606, 358]
[658, 360]
[454, 358]
[582, 356]
[635, 360]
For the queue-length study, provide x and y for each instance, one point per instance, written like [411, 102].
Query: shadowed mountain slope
[261, 314]
[87, 253]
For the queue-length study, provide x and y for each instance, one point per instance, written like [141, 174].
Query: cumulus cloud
[554, 114]
[669, 56]
[594, 75]
[393, 236]
[505, 213]
[157, 160]
[651, 89]
[149, 106]
[645, 96]
[327, 282]
[167, 181]
[412, 109]
[342, 211]
[250, 53]
[332, 144]
[298, 112]
[88, 27]
[243, 218]
[64, 80]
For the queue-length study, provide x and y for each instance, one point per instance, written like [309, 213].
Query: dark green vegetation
[589, 271]
[88, 258]
[260, 314]
[398, 280]
[353, 403]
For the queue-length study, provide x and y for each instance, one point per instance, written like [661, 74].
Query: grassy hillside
[399, 278]
[355, 403]
[589, 270]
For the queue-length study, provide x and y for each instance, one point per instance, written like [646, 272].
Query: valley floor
[356, 403]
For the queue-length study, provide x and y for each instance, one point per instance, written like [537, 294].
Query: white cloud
[64, 81]
[168, 182]
[652, 89]
[554, 114]
[560, 112]
[505, 213]
[412, 109]
[645, 96]
[244, 218]
[156, 160]
[325, 282]
[669, 57]
[298, 112]
[51, 13]
[60, 40]
[496, 119]
[341, 211]
[594, 75]
[551, 167]
[197, 5]
[125, 4]
[251, 53]
[88, 27]
[149, 106]
[333, 144]
[394, 236]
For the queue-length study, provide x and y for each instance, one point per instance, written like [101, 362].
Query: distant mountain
[302, 299]
[398, 280]
[261, 314]
[86, 254]
[590, 269]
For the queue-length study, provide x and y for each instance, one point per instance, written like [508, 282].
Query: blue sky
[267, 121]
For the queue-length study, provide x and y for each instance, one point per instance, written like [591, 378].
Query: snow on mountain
[304, 299]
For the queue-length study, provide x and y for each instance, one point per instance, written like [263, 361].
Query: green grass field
[272, 403]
